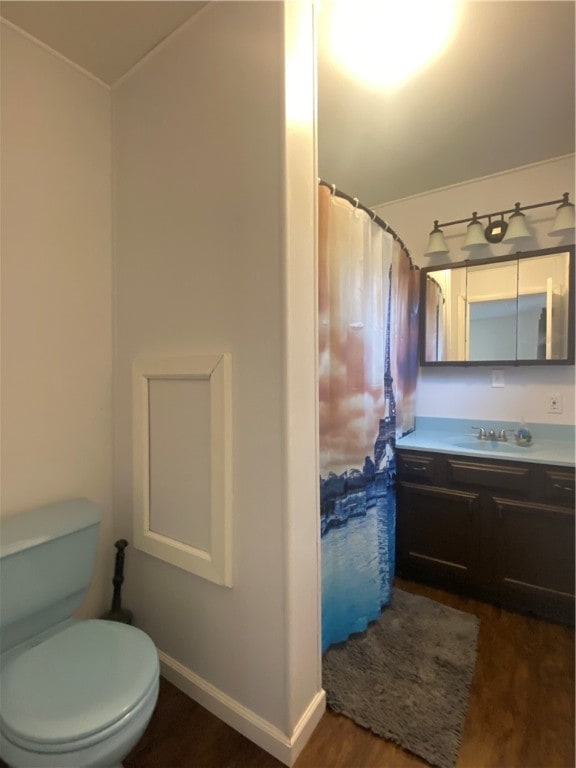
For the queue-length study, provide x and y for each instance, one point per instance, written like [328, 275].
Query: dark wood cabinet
[500, 531]
[426, 544]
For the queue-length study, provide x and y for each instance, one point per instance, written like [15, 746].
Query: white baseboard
[283, 747]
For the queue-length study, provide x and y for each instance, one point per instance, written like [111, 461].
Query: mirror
[517, 309]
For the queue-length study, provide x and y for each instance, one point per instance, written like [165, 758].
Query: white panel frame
[214, 565]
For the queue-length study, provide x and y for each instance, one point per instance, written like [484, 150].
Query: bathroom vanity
[483, 521]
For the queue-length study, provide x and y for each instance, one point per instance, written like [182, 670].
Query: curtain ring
[356, 202]
[333, 188]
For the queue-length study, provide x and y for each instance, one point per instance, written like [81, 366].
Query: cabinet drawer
[416, 467]
[560, 484]
[490, 476]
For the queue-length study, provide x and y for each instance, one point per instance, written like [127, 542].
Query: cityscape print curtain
[368, 326]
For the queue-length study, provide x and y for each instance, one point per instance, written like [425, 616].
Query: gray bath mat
[407, 678]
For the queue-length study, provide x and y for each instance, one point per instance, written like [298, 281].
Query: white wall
[467, 392]
[56, 289]
[201, 267]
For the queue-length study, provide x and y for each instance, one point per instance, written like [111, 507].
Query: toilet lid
[77, 682]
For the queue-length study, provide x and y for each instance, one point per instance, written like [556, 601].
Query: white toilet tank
[46, 562]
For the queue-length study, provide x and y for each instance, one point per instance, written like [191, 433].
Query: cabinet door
[559, 485]
[436, 535]
[535, 558]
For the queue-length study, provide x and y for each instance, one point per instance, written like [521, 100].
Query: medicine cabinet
[516, 310]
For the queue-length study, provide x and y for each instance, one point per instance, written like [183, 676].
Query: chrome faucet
[492, 434]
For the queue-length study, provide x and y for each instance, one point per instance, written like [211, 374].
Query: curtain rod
[374, 216]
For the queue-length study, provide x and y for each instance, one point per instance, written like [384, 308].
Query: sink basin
[491, 446]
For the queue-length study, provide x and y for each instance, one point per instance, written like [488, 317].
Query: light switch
[497, 377]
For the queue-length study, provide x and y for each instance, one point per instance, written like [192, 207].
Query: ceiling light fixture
[515, 230]
[417, 34]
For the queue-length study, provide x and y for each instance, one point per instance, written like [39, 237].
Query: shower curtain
[368, 325]
[435, 321]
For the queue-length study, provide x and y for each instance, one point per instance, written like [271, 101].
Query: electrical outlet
[555, 403]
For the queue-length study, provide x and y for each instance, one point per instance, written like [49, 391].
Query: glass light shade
[436, 242]
[474, 235]
[564, 221]
[517, 229]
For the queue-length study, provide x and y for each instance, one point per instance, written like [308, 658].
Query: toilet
[72, 693]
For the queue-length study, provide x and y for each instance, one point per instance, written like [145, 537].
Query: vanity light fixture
[565, 220]
[475, 233]
[517, 228]
[436, 242]
[498, 229]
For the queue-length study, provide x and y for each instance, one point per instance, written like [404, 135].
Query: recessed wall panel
[182, 412]
[179, 414]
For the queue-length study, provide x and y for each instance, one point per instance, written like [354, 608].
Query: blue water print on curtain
[367, 341]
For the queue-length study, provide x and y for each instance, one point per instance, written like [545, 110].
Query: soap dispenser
[523, 435]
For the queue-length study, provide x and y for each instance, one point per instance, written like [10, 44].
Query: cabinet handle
[563, 487]
[418, 469]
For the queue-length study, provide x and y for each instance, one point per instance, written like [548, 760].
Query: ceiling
[501, 96]
[105, 38]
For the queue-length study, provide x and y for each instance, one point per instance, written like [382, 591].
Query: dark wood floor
[521, 712]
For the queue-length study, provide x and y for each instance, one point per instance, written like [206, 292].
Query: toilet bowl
[73, 693]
